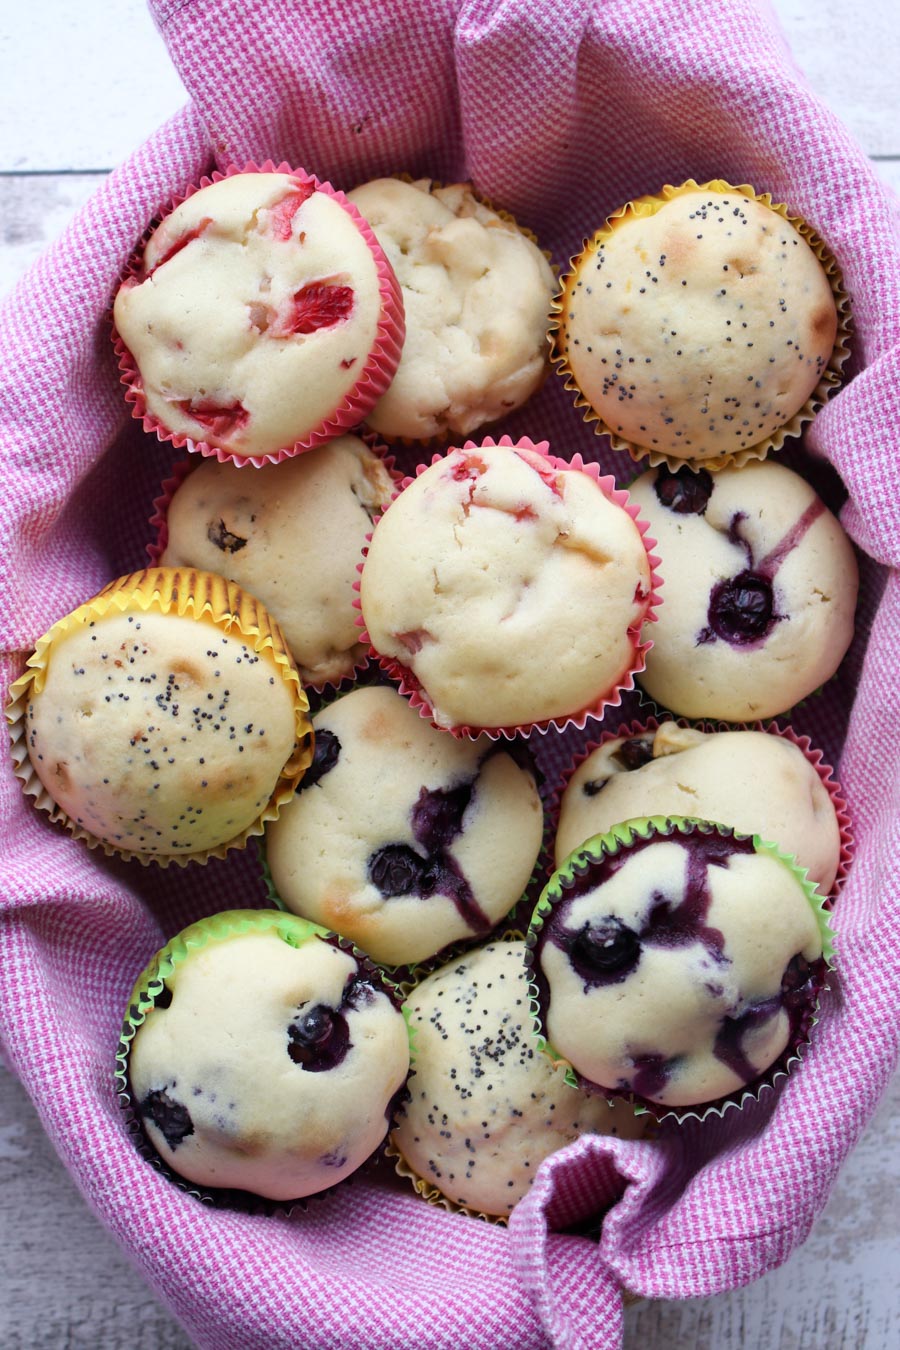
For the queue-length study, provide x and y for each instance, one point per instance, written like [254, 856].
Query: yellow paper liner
[407, 681]
[617, 840]
[150, 984]
[815, 757]
[440, 440]
[202, 596]
[831, 376]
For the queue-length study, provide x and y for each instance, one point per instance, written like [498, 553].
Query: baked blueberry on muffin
[268, 1061]
[677, 961]
[291, 534]
[261, 318]
[696, 324]
[508, 588]
[485, 1106]
[753, 781]
[476, 292]
[760, 594]
[163, 719]
[404, 839]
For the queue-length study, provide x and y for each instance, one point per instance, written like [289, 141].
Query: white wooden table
[73, 103]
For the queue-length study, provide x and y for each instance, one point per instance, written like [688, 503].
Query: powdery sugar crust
[404, 839]
[268, 1067]
[486, 1106]
[699, 330]
[255, 318]
[761, 593]
[489, 546]
[750, 780]
[476, 295]
[679, 969]
[292, 534]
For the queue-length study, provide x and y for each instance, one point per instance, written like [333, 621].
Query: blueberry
[438, 813]
[396, 869]
[606, 948]
[634, 753]
[685, 491]
[170, 1117]
[741, 609]
[319, 1039]
[325, 756]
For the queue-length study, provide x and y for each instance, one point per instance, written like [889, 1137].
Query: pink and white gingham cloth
[560, 112]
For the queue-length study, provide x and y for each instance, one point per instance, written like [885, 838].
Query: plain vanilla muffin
[292, 534]
[510, 586]
[753, 781]
[262, 317]
[476, 293]
[270, 1059]
[404, 838]
[677, 961]
[761, 585]
[697, 325]
[485, 1106]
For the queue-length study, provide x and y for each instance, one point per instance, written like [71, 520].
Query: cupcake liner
[183, 591]
[377, 374]
[425, 443]
[620, 838]
[411, 688]
[183, 469]
[813, 756]
[831, 376]
[150, 984]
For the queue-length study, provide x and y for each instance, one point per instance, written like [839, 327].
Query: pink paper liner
[411, 688]
[813, 756]
[377, 373]
[159, 522]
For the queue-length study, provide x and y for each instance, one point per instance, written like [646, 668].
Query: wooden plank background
[83, 86]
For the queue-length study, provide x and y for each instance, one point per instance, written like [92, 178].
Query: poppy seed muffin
[696, 324]
[485, 1106]
[476, 294]
[404, 839]
[269, 1061]
[292, 534]
[753, 781]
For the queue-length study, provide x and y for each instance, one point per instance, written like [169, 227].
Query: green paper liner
[828, 382]
[614, 841]
[204, 597]
[151, 982]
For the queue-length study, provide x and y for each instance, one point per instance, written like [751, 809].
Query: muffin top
[752, 781]
[485, 1106]
[477, 294]
[291, 534]
[254, 314]
[404, 838]
[761, 586]
[513, 590]
[679, 968]
[267, 1066]
[699, 330]
[160, 734]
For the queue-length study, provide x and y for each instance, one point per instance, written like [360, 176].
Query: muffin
[698, 323]
[260, 319]
[507, 588]
[403, 838]
[757, 782]
[163, 720]
[292, 534]
[762, 590]
[476, 293]
[263, 1057]
[677, 961]
[485, 1106]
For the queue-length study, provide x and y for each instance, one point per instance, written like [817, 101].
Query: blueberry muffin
[476, 293]
[485, 1106]
[269, 1059]
[403, 838]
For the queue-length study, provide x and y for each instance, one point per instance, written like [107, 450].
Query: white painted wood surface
[74, 101]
